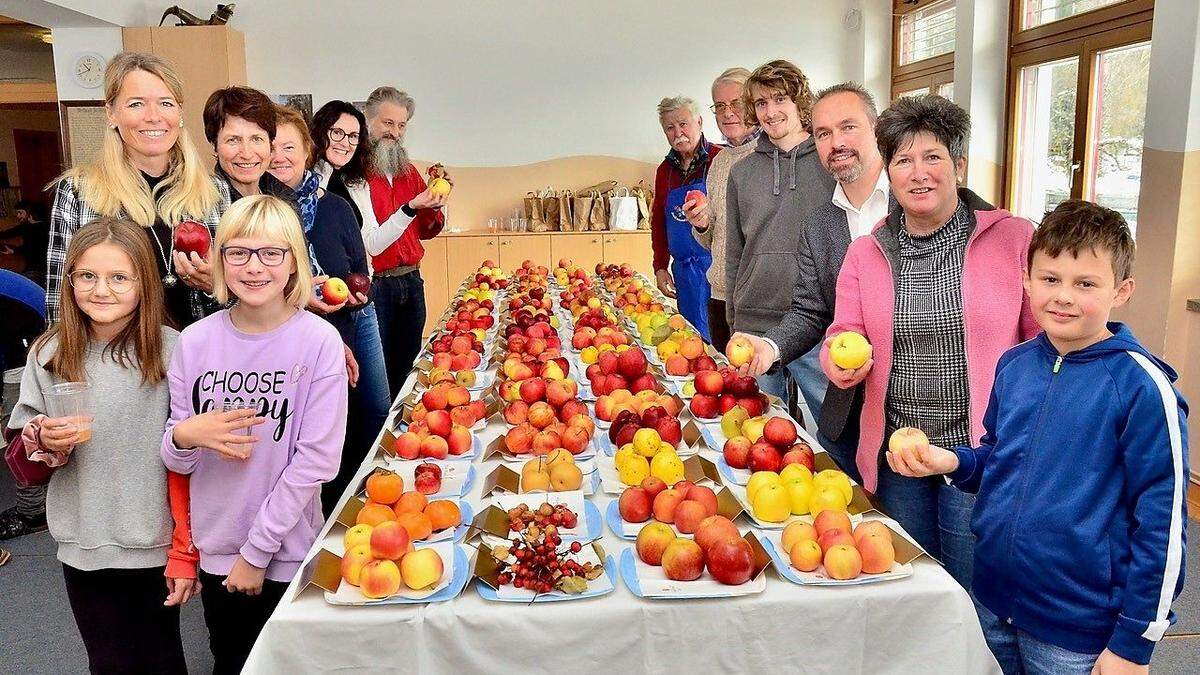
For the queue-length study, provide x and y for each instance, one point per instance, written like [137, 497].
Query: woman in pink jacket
[937, 291]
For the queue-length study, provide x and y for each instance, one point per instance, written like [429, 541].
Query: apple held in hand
[740, 351]
[334, 291]
[193, 237]
[439, 187]
[907, 437]
[849, 350]
[358, 283]
[697, 197]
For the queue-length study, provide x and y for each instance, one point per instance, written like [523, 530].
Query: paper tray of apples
[456, 570]
[591, 476]
[701, 494]
[457, 477]
[650, 581]
[610, 478]
[589, 525]
[852, 565]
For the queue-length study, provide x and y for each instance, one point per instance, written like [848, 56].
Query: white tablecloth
[923, 624]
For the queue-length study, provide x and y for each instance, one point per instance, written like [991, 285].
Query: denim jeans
[1020, 653]
[937, 515]
[844, 452]
[809, 378]
[400, 304]
[372, 370]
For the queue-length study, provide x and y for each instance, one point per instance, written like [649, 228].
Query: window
[1077, 104]
[1034, 13]
[923, 47]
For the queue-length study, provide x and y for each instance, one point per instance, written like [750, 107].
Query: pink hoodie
[996, 316]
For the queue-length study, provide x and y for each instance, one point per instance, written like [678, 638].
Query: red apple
[193, 237]
[730, 560]
[737, 452]
[359, 283]
[780, 432]
[635, 505]
[763, 457]
[800, 453]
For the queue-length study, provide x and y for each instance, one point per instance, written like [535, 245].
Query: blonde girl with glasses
[119, 517]
[256, 494]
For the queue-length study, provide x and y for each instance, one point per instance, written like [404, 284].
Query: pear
[732, 421]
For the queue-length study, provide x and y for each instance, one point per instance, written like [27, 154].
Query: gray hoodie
[769, 197]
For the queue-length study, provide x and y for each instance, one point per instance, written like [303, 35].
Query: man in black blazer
[843, 119]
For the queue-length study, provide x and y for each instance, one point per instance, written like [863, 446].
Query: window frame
[1082, 36]
[931, 72]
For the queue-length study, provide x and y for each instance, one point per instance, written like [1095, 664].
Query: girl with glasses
[112, 506]
[256, 498]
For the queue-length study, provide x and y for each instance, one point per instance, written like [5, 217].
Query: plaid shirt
[70, 213]
[927, 386]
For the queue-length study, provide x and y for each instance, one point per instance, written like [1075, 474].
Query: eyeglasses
[722, 108]
[337, 135]
[86, 280]
[271, 256]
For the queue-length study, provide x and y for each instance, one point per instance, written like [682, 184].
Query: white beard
[389, 157]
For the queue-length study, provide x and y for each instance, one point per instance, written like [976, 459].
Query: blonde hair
[672, 103]
[113, 187]
[139, 344]
[736, 76]
[270, 218]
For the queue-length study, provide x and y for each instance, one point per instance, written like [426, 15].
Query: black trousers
[122, 620]
[717, 327]
[234, 620]
[400, 304]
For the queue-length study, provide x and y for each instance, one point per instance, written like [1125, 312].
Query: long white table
[922, 624]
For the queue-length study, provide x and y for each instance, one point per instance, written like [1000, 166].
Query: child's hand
[847, 379]
[1110, 664]
[245, 578]
[318, 305]
[179, 591]
[219, 431]
[919, 461]
[61, 434]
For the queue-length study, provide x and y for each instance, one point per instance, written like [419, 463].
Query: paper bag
[645, 197]
[598, 216]
[549, 209]
[581, 210]
[566, 222]
[622, 210]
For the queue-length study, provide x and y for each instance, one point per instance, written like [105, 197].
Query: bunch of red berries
[536, 562]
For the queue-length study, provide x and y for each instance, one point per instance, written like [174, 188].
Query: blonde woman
[148, 172]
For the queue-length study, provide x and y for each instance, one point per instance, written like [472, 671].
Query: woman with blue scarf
[335, 244]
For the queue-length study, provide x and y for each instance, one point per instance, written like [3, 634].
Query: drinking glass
[73, 401]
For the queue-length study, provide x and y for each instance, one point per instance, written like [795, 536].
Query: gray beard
[849, 174]
[389, 157]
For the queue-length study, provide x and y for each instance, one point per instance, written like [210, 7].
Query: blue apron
[689, 261]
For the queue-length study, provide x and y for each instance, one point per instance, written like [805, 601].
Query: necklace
[169, 279]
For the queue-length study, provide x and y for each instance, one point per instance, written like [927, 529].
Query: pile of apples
[469, 314]
[443, 374]
[795, 491]
[608, 406]
[591, 343]
[530, 274]
[846, 553]
[453, 398]
[516, 369]
[762, 444]
[684, 504]
[633, 296]
[614, 275]
[434, 437]
[686, 357]
[489, 276]
[716, 546]
[533, 340]
[554, 472]
[379, 548]
[567, 271]
[625, 370]
[719, 391]
[547, 417]
[463, 351]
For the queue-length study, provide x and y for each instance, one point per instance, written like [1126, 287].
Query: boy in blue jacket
[1081, 474]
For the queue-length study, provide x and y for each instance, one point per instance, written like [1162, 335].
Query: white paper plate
[455, 572]
[648, 581]
[457, 477]
[772, 542]
[603, 585]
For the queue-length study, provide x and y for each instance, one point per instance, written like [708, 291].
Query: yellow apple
[849, 350]
[759, 479]
[771, 504]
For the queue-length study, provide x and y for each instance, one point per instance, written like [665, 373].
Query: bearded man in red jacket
[405, 213]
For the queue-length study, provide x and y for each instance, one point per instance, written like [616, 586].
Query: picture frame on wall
[301, 102]
[83, 127]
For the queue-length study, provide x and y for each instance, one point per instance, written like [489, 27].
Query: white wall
[502, 83]
[69, 43]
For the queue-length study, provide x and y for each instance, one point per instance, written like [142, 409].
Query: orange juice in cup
[72, 400]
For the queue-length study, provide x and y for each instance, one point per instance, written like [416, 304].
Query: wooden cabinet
[464, 255]
[585, 248]
[436, 278]
[517, 248]
[630, 247]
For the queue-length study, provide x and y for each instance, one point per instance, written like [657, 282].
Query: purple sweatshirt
[268, 507]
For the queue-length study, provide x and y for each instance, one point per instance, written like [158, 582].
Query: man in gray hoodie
[770, 195]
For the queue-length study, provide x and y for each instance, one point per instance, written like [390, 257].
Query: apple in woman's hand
[192, 236]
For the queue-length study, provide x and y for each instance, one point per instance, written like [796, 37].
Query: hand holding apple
[193, 270]
[316, 304]
[911, 454]
[428, 200]
[695, 209]
[840, 377]
[764, 355]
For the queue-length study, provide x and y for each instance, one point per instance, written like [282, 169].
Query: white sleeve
[377, 237]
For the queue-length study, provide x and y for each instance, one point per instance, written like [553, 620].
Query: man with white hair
[684, 169]
[395, 244]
